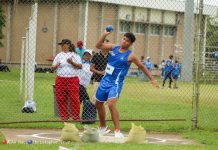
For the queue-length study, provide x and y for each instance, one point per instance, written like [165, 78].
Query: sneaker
[118, 134]
[103, 130]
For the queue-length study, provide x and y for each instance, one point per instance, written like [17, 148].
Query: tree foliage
[212, 34]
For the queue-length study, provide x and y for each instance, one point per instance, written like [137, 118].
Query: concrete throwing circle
[53, 136]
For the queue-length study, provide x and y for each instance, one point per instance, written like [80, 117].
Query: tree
[2, 24]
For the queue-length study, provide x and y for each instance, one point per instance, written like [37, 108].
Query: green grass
[106, 147]
[207, 141]
[137, 101]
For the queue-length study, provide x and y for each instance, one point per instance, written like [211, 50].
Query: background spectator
[141, 74]
[89, 110]
[99, 63]
[175, 73]
[67, 82]
[162, 67]
[168, 70]
[80, 50]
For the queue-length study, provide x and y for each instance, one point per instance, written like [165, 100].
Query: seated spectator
[4, 68]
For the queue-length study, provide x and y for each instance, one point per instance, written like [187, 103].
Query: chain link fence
[35, 35]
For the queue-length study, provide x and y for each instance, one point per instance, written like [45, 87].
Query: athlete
[119, 61]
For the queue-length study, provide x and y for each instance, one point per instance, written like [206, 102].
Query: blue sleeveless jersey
[117, 66]
[169, 66]
[176, 69]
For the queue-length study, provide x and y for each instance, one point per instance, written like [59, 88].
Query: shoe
[103, 130]
[118, 134]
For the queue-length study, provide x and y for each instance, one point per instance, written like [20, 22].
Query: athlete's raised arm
[104, 46]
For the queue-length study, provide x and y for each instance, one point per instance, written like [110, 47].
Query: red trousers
[67, 88]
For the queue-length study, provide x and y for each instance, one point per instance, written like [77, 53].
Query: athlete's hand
[106, 33]
[155, 84]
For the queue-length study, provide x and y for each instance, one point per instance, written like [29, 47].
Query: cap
[79, 44]
[65, 41]
[88, 51]
[148, 57]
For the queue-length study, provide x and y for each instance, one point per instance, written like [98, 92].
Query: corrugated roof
[170, 5]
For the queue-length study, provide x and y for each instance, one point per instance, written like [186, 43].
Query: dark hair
[171, 56]
[130, 36]
[176, 61]
[163, 60]
[65, 41]
[72, 48]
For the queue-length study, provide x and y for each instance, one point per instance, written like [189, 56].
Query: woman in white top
[67, 64]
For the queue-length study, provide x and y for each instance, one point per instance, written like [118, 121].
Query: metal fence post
[198, 49]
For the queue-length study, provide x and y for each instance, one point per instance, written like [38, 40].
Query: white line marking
[157, 140]
[41, 137]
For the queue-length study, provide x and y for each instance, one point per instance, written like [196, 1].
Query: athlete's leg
[101, 113]
[114, 113]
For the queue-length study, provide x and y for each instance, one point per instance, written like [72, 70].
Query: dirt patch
[53, 136]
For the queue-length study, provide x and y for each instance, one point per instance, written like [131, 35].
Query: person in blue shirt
[149, 65]
[119, 61]
[175, 73]
[141, 74]
[168, 71]
[80, 50]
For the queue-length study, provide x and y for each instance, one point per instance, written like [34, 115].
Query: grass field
[138, 101]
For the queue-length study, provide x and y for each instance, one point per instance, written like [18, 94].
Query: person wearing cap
[168, 71]
[80, 50]
[149, 65]
[141, 74]
[89, 110]
[67, 64]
